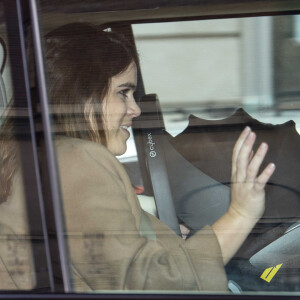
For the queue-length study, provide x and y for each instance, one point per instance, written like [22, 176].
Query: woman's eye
[124, 93]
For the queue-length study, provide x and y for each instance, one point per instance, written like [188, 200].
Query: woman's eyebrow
[128, 85]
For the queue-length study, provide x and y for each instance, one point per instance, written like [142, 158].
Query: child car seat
[185, 193]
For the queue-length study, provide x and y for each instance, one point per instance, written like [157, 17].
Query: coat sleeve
[102, 227]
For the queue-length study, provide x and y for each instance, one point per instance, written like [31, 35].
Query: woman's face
[119, 108]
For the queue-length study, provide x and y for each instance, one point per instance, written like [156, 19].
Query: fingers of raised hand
[251, 155]
[263, 178]
[237, 147]
[244, 155]
[246, 164]
[254, 165]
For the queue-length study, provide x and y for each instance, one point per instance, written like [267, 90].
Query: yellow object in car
[269, 273]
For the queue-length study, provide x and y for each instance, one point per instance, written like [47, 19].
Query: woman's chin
[117, 150]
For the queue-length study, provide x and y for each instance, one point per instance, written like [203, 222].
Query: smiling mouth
[125, 129]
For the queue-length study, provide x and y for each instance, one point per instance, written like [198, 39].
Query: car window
[145, 114]
[213, 78]
[23, 263]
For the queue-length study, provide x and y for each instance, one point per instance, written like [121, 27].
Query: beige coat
[103, 219]
[113, 244]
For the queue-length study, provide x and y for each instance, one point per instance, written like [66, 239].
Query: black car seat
[185, 193]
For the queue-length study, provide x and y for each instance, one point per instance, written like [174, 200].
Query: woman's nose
[133, 109]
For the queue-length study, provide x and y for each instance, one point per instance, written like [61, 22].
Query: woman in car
[92, 76]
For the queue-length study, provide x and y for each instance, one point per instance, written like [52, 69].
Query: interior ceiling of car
[56, 12]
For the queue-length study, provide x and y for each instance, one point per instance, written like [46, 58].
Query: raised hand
[247, 194]
[247, 186]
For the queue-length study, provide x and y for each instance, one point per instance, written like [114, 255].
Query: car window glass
[213, 78]
[21, 237]
[205, 81]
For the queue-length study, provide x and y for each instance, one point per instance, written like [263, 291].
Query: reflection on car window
[17, 270]
[216, 153]
[214, 78]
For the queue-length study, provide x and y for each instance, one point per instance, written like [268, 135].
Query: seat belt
[150, 136]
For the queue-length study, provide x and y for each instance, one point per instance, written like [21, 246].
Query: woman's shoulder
[65, 143]
[80, 152]
[69, 146]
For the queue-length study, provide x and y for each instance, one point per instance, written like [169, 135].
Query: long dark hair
[80, 61]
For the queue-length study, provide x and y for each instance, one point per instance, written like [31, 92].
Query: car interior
[207, 69]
